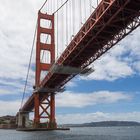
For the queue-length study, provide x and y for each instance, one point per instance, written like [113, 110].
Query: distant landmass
[105, 124]
[8, 122]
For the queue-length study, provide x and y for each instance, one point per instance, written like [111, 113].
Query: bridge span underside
[111, 21]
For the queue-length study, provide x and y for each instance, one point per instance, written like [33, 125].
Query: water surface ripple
[84, 133]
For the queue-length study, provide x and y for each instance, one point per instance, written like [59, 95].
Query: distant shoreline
[105, 124]
[8, 122]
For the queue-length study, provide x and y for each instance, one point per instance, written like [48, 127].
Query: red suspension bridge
[108, 23]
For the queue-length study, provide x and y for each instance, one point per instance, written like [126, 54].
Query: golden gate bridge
[83, 30]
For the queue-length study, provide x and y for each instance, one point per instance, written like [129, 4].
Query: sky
[111, 92]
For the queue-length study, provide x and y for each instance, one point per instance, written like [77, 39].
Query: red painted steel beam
[103, 17]
[109, 23]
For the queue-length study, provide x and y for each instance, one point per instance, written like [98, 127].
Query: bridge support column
[52, 122]
[44, 114]
[44, 103]
[36, 112]
[23, 119]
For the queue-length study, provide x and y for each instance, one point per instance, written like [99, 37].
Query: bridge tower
[44, 108]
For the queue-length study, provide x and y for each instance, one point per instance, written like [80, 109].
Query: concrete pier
[23, 119]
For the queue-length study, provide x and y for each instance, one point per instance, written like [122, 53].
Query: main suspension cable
[31, 54]
[29, 65]
[43, 5]
[60, 6]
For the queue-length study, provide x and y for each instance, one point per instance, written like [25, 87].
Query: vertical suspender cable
[90, 2]
[57, 29]
[73, 16]
[84, 10]
[67, 24]
[51, 6]
[62, 27]
[80, 12]
[61, 16]
[97, 2]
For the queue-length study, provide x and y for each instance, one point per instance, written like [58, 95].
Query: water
[87, 133]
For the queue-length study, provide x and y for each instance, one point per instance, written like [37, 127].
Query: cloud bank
[121, 61]
[78, 100]
[97, 116]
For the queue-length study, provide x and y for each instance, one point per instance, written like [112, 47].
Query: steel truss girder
[132, 26]
[79, 37]
[91, 37]
[96, 23]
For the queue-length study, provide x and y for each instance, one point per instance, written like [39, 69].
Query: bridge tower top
[45, 44]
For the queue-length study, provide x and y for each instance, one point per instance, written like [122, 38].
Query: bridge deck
[109, 23]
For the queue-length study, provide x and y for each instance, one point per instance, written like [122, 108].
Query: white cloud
[71, 84]
[97, 116]
[109, 68]
[121, 61]
[16, 31]
[136, 66]
[9, 107]
[69, 99]
[16, 34]
[4, 92]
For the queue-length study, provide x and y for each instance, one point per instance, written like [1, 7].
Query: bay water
[76, 133]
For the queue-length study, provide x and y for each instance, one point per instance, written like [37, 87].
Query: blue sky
[112, 92]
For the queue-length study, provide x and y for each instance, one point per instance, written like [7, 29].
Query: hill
[8, 122]
[105, 124]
